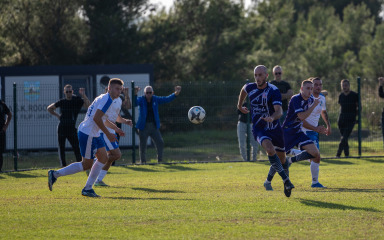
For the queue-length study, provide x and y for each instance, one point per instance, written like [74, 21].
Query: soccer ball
[196, 114]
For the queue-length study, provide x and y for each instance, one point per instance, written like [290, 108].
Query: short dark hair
[116, 81]
[306, 81]
[345, 80]
[315, 78]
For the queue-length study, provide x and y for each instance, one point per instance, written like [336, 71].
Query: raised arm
[127, 102]
[84, 97]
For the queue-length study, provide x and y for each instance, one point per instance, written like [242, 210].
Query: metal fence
[214, 140]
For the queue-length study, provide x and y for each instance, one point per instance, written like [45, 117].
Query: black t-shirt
[4, 110]
[283, 87]
[242, 116]
[348, 106]
[69, 110]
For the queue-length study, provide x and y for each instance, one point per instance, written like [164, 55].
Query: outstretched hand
[177, 90]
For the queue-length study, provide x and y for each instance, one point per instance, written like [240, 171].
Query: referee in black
[70, 107]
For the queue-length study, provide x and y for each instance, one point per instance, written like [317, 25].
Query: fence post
[14, 127]
[248, 131]
[359, 114]
[133, 123]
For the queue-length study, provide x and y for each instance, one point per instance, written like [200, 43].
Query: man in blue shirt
[149, 120]
[265, 101]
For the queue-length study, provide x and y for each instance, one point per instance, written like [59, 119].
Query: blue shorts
[293, 138]
[89, 145]
[108, 144]
[275, 135]
[314, 136]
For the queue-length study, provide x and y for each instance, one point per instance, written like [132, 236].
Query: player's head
[277, 72]
[68, 91]
[260, 74]
[317, 85]
[306, 88]
[148, 91]
[115, 86]
[345, 86]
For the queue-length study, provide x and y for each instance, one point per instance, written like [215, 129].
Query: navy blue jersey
[262, 104]
[297, 105]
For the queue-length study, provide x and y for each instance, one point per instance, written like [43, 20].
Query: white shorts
[108, 144]
[89, 145]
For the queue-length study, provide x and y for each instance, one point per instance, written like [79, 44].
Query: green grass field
[198, 201]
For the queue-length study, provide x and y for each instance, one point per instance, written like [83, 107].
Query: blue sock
[301, 157]
[276, 164]
[271, 174]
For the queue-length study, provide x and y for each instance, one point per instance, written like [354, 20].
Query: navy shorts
[293, 138]
[275, 135]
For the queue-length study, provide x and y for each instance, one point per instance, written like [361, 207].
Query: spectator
[284, 88]
[70, 107]
[5, 119]
[348, 101]
[148, 123]
[242, 136]
[381, 94]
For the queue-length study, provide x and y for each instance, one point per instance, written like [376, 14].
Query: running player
[91, 144]
[265, 100]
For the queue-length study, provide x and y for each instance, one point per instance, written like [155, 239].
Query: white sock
[70, 169]
[315, 172]
[95, 170]
[266, 181]
[101, 175]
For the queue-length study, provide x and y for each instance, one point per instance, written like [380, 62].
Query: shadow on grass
[179, 167]
[141, 169]
[320, 204]
[157, 191]
[373, 160]
[339, 162]
[351, 190]
[135, 198]
[23, 175]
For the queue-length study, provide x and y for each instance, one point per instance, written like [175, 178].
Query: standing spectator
[70, 107]
[349, 102]
[148, 123]
[284, 88]
[381, 94]
[5, 119]
[242, 135]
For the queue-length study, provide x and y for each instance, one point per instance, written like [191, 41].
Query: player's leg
[315, 164]
[241, 136]
[61, 139]
[74, 141]
[143, 136]
[159, 143]
[114, 154]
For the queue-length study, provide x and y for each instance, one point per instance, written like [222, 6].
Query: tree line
[200, 40]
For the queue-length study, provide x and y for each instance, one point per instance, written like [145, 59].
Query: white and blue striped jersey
[313, 118]
[262, 103]
[113, 112]
[88, 126]
[297, 105]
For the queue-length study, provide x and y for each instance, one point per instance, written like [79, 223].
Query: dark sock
[276, 164]
[301, 156]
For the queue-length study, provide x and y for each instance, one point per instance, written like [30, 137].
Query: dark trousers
[382, 124]
[150, 130]
[71, 135]
[345, 128]
[2, 147]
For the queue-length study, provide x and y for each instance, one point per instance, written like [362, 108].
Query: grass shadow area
[339, 162]
[140, 169]
[319, 204]
[136, 198]
[373, 160]
[179, 167]
[351, 190]
[23, 175]
[157, 191]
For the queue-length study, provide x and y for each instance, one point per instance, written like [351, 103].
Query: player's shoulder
[273, 86]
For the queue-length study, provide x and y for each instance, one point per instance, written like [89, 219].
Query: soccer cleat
[268, 186]
[317, 185]
[101, 184]
[288, 186]
[89, 193]
[51, 179]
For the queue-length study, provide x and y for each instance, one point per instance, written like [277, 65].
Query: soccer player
[113, 150]
[91, 144]
[300, 107]
[265, 101]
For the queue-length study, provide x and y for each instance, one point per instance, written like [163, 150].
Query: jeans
[345, 128]
[242, 137]
[150, 130]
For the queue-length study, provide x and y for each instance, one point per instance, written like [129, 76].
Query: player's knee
[87, 165]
